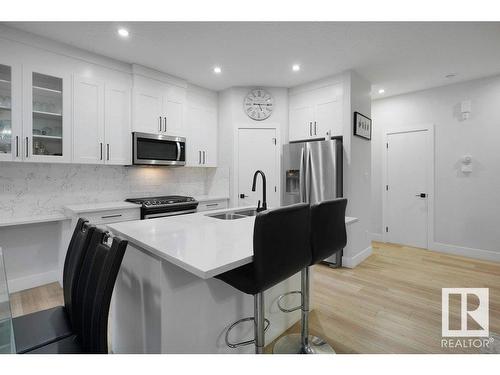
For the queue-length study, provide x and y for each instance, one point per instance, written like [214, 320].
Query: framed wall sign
[362, 126]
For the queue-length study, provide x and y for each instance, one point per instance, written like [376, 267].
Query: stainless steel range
[168, 205]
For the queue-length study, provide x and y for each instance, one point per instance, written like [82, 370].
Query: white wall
[357, 170]
[466, 205]
[232, 117]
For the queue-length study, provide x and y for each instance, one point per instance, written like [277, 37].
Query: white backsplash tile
[32, 189]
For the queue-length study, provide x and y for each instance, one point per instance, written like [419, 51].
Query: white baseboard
[351, 262]
[469, 252]
[376, 236]
[32, 281]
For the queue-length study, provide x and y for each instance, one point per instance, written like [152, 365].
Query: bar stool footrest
[243, 343]
[286, 295]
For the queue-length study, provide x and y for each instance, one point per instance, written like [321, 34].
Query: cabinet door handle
[315, 129]
[165, 123]
[310, 129]
[159, 128]
[17, 146]
[212, 205]
[203, 157]
[107, 150]
[199, 157]
[27, 146]
[110, 216]
[100, 146]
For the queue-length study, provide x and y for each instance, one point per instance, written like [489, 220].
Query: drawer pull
[212, 205]
[110, 216]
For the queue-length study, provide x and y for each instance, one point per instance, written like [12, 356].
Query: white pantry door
[257, 149]
[407, 187]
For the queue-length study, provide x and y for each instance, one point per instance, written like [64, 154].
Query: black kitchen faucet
[264, 202]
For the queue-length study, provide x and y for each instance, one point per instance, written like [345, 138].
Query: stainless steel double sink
[233, 215]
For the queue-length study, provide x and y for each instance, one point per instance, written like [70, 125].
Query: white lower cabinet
[101, 123]
[217, 204]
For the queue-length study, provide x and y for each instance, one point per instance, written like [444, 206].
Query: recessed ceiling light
[296, 67]
[381, 91]
[451, 75]
[123, 32]
[217, 70]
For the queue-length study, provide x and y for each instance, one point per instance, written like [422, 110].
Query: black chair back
[73, 261]
[90, 272]
[281, 244]
[101, 303]
[328, 233]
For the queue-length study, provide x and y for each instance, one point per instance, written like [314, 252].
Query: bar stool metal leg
[258, 302]
[303, 343]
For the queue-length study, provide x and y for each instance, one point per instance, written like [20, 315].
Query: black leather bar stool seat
[93, 298]
[328, 237]
[43, 327]
[281, 245]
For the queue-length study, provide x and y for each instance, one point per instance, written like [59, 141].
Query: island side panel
[197, 312]
[136, 312]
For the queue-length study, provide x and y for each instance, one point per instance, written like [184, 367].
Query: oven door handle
[178, 151]
[172, 213]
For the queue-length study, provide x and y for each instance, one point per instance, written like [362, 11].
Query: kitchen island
[166, 299]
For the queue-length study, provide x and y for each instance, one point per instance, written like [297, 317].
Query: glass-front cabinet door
[10, 111]
[46, 124]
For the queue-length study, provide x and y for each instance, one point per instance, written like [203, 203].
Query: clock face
[258, 104]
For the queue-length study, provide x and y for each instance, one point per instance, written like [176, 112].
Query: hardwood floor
[36, 299]
[391, 303]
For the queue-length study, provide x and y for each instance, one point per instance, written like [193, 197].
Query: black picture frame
[362, 126]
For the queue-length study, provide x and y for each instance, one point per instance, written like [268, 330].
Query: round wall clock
[258, 104]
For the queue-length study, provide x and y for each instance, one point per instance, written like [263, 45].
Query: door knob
[421, 195]
[243, 196]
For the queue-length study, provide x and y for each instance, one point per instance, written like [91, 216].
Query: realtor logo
[474, 322]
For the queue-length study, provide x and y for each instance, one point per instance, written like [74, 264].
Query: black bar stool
[280, 249]
[328, 237]
[93, 298]
[43, 327]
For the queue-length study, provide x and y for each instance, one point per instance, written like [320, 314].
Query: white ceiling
[400, 57]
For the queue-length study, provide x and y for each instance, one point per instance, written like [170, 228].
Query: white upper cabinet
[11, 145]
[147, 106]
[201, 121]
[316, 112]
[46, 115]
[158, 107]
[101, 122]
[88, 121]
[117, 127]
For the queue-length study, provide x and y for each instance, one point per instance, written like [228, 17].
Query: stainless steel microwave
[158, 149]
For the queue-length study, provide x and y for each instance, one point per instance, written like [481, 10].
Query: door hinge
[274, 140]
[386, 187]
[386, 229]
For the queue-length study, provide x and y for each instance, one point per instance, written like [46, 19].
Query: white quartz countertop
[103, 206]
[7, 222]
[202, 245]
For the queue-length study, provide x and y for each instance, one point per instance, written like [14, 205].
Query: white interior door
[407, 187]
[257, 150]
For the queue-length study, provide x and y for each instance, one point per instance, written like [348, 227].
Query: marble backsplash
[33, 189]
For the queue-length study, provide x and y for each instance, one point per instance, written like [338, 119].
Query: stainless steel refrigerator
[312, 172]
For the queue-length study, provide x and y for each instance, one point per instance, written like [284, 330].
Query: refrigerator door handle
[302, 176]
